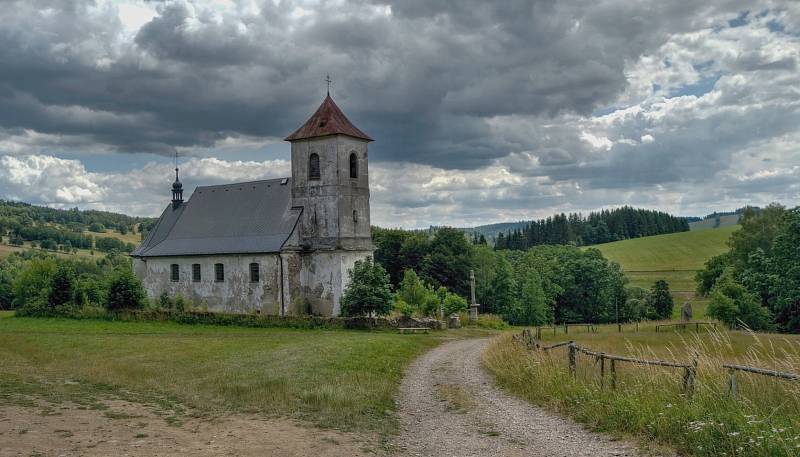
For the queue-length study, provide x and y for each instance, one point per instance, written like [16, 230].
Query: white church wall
[235, 294]
[324, 276]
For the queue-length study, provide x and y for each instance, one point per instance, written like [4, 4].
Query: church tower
[330, 181]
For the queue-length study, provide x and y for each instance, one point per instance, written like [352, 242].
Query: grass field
[649, 402]
[6, 249]
[674, 257]
[724, 221]
[338, 379]
[134, 238]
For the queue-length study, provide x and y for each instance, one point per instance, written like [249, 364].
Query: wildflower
[733, 434]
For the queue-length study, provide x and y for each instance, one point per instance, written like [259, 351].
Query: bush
[97, 228]
[732, 304]
[454, 304]
[125, 291]
[368, 292]
[31, 288]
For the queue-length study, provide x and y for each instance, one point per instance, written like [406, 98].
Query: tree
[659, 301]
[533, 307]
[368, 292]
[62, 288]
[732, 304]
[449, 261]
[97, 228]
[125, 291]
[504, 289]
[706, 277]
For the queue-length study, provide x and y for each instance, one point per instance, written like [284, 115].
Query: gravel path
[450, 407]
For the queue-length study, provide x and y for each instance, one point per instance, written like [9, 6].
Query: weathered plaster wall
[236, 294]
[325, 276]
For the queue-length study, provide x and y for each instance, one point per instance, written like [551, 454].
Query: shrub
[734, 305]
[31, 288]
[402, 308]
[125, 291]
[368, 292]
[97, 228]
[454, 304]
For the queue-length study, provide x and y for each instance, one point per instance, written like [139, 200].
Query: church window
[355, 216]
[219, 272]
[254, 272]
[353, 165]
[313, 166]
[174, 272]
[196, 272]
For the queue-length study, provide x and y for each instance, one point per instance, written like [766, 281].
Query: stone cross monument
[473, 307]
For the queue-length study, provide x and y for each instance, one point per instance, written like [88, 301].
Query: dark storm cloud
[424, 79]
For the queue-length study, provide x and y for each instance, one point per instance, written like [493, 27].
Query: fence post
[691, 373]
[637, 326]
[538, 333]
[566, 329]
[602, 369]
[572, 361]
[732, 383]
[613, 374]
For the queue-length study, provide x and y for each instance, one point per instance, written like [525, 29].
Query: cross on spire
[176, 165]
[329, 81]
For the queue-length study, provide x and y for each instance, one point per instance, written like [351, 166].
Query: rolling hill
[674, 257]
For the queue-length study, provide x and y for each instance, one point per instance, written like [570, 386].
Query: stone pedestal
[454, 321]
[473, 314]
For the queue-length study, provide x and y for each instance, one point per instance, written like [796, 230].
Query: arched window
[313, 166]
[353, 165]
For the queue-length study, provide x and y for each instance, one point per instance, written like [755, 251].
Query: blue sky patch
[697, 89]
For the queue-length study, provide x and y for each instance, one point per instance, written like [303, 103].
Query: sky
[481, 111]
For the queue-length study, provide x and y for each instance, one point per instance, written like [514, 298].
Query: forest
[598, 227]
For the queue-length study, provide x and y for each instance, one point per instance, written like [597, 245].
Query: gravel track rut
[449, 406]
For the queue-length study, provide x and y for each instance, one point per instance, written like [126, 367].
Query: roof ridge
[243, 183]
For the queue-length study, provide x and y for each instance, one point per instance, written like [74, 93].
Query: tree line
[545, 284]
[73, 219]
[596, 228]
[757, 282]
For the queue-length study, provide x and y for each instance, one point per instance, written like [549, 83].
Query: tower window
[254, 272]
[196, 272]
[355, 216]
[219, 272]
[353, 165]
[175, 272]
[313, 166]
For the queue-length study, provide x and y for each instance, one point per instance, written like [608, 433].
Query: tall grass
[649, 402]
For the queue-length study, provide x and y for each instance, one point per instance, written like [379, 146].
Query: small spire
[329, 81]
[177, 187]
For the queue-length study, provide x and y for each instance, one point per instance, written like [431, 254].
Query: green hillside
[674, 257]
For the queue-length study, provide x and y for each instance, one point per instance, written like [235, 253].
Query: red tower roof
[327, 120]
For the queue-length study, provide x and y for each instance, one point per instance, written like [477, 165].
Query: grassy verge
[649, 403]
[333, 378]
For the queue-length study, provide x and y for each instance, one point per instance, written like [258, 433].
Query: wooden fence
[684, 325]
[689, 370]
[732, 369]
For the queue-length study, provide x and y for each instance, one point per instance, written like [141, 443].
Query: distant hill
[69, 232]
[729, 220]
[491, 231]
[674, 257]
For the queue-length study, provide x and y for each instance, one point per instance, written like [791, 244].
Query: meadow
[338, 379]
[649, 403]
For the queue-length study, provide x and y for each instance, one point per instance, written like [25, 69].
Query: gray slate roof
[242, 218]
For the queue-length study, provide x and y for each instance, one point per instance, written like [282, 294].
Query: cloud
[481, 111]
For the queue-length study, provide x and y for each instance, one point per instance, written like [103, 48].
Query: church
[279, 246]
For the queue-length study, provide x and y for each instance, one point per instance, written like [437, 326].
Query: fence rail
[689, 374]
[683, 325]
[732, 369]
